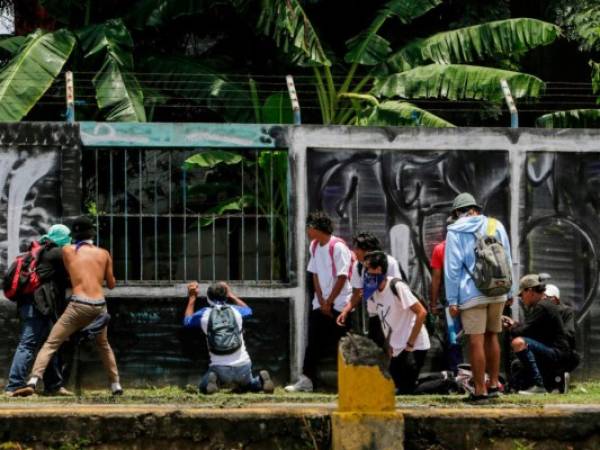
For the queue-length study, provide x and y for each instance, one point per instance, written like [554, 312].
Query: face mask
[463, 214]
[371, 283]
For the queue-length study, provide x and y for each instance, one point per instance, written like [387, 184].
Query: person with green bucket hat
[475, 290]
[38, 312]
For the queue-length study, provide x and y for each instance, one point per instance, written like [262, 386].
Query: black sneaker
[267, 383]
[476, 399]
[493, 392]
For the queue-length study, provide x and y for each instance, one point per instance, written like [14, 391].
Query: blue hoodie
[460, 252]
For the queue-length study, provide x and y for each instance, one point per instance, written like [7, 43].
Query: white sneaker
[534, 390]
[302, 385]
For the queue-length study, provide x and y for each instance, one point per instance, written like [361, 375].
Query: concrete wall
[397, 182]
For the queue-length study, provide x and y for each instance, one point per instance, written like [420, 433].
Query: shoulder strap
[332, 241]
[313, 247]
[393, 283]
[491, 227]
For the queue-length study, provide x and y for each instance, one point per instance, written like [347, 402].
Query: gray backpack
[493, 273]
[223, 334]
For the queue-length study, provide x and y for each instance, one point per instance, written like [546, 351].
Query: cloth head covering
[59, 234]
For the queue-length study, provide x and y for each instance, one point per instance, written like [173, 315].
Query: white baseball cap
[552, 291]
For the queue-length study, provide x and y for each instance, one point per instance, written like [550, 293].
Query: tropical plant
[433, 67]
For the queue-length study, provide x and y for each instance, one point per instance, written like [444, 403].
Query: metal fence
[164, 220]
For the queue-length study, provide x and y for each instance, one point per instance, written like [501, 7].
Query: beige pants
[76, 317]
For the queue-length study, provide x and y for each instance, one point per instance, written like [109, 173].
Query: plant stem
[255, 100]
[88, 8]
[332, 92]
[322, 97]
[349, 78]
[344, 115]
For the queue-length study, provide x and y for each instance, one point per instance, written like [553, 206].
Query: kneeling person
[230, 363]
[402, 317]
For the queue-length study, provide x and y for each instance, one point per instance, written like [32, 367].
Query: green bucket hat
[59, 234]
[464, 200]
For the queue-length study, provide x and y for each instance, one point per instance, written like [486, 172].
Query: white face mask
[463, 214]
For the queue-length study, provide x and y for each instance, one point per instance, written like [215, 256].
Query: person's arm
[353, 303]
[534, 318]
[453, 267]
[318, 291]
[241, 306]
[436, 282]
[109, 276]
[192, 319]
[421, 313]
[343, 259]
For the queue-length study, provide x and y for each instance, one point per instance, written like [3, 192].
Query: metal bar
[170, 223]
[243, 227]
[294, 99]
[271, 219]
[256, 206]
[510, 102]
[199, 250]
[70, 97]
[184, 187]
[214, 274]
[228, 251]
[97, 200]
[155, 216]
[126, 219]
[110, 188]
[140, 171]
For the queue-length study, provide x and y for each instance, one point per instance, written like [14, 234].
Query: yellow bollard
[366, 417]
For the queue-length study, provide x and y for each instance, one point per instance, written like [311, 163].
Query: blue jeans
[34, 330]
[535, 355]
[239, 376]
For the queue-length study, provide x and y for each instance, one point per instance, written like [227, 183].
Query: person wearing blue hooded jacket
[481, 315]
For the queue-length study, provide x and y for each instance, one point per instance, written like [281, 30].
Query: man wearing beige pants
[88, 266]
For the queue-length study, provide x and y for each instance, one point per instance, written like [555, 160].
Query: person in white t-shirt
[402, 317]
[231, 365]
[330, 264]
[362, 244]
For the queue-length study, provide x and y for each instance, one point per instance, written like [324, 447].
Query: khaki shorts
[482, 318]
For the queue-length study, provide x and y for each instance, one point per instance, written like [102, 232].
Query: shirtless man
[88, 266]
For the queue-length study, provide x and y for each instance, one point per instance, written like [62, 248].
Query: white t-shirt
[393, 271]
[321, 265]
[397, 317]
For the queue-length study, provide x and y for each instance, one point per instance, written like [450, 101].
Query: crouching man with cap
[540, 343]
[88, 267]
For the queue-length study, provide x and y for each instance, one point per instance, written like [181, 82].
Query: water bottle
[454, 327]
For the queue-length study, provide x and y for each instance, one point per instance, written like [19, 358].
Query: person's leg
[245, 380]
[315, 344]
[395, 369]
[25, 351]
[455, 357]
[527, 358]
[474, 320]
[210, 378]
[75, 317]
[107, 356]
[491, 344]
[53, 379]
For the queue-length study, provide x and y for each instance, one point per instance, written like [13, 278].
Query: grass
[581, 393]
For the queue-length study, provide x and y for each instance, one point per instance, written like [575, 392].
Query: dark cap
[530, 281]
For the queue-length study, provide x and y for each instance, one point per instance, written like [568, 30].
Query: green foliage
[277, 109]
[212, 158]
[576, 118]
[368, 48]
[582, 19]
[458, 82]
[396, 113]
[288, 24]
[155, 13]
[12, 44]
[25, 79]
[475, 43]
[118, 91]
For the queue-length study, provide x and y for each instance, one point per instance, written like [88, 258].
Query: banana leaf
[212, 158]
[12, 44]
[476, 43]
[368, 48]
[32, 70]
[230, 205]
[288, 24]
[180, 77]
[457, 82]
[118, 92]
[595, 78]
[277, 109]
[397, 113]
[575, 118]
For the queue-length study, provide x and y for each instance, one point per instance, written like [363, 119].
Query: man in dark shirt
[566, 311]
[540, 342]
[38, 312]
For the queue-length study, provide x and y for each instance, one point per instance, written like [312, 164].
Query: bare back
[88, 268]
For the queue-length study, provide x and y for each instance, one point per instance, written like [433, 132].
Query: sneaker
[493, 392]
[563, 383]
[535, 389]
[212, 386]
[267, 383]
[116, 389]
[24, 391]
[476, 399]
[60, 392]
[302, 385]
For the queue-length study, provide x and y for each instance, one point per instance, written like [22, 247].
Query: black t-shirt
[544, 323]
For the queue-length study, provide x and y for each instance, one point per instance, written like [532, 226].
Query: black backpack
[223, 334]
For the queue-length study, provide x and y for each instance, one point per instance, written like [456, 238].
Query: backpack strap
[393, 286]
[491, 226]
[394, 289]
[313, 247]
